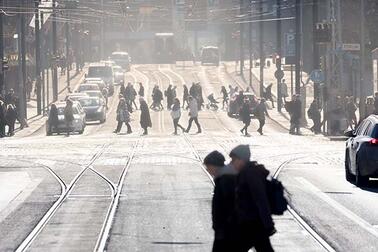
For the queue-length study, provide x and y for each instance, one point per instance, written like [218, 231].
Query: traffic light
[5, 65]
[323, 33]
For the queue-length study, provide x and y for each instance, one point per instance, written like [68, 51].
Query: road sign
[289, 48]
[351, 47]
[279, 74]
[317, 76]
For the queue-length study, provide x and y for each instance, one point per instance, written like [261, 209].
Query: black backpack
[277, 200]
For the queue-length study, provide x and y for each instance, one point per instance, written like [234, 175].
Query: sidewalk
[281, 118]
[35, 121]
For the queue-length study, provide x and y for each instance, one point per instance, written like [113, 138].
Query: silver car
[78, 124]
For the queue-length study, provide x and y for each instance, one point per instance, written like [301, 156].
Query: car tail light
[374, 141]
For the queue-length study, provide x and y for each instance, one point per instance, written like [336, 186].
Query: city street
[127, 192]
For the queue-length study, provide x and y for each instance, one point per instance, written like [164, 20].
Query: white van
[103, 71]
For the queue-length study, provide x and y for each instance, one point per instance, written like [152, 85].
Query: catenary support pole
[22, 94]
[241, 12]
[298, 45]
[38, 59]
[54, 54]
[362, 62]
[68, 55]
[2, 83]
[279, 56]
[316, 58]
[261, 47]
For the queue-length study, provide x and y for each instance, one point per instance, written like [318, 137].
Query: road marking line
[346, 212]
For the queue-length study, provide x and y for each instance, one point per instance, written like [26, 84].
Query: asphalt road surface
[126, 192]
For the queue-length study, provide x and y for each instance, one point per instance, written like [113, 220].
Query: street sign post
[317, 76]
[351, 47]
[289, 48]
[279, 74]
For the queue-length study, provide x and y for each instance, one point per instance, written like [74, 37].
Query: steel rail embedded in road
[323, 243]
[48, 215]
[109, 219]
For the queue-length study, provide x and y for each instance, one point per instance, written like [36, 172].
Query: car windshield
[88, 87]
[61, 110]
[210, 52]
[117, 69]
[99, 71]
[375, 132]
[89, 102]
[120, 57]
[94, 94]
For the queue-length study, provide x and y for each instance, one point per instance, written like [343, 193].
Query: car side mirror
[350, 133]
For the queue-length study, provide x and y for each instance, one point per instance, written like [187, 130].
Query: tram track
[291, 210]
[25, 244]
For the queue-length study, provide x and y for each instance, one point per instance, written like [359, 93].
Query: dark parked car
[94, 108]
[236, 103]
[361, 156]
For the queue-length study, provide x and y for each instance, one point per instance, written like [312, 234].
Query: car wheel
[348, 175]
[360, 180]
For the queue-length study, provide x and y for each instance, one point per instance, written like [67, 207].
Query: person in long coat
[169, 95]
[176, 114]
[185, 97]
[245, 117]
[145, 118]
[53, 118]
[2, 118]
[10, 117]
[123, 116]
[69, 116]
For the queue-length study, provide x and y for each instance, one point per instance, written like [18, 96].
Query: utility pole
[22, 67]
[54, 55]
[2, 83]
[250, 44]
[279, 72]
[298, 46]
[261, 47]
[37, 59]
[68, 53]
[315, 47]
[241, 12]
[362, 62]
[102, 37]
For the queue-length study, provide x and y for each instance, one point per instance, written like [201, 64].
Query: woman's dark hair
[214, 158]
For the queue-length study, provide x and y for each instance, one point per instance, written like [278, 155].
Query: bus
[210, 55]
[122, 59]
[165, 48]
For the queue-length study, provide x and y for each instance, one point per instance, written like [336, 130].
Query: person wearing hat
[252, 210]
[260, 112]
[223, 210]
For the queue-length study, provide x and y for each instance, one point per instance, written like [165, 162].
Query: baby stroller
[212, 104]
